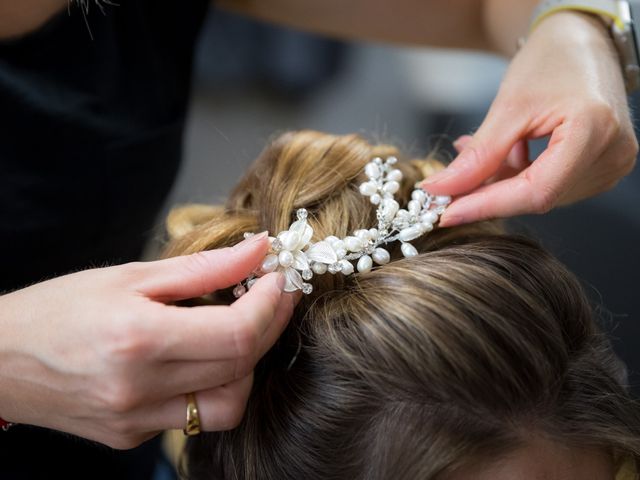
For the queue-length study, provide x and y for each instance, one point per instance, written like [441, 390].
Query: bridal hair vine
[293, 253]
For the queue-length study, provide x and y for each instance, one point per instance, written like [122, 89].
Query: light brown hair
[419, 366]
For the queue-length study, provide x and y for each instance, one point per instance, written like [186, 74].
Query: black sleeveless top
[90, 142]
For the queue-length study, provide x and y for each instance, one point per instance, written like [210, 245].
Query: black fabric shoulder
[91, 130]
[90, 133]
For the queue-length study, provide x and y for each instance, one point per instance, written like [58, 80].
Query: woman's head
[481, 346]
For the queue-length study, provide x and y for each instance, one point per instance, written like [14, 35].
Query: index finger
[223, 332]
[536, 189]
[483, 153]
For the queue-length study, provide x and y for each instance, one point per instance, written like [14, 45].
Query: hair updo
[414, 368]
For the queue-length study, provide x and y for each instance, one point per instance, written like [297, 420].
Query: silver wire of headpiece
[299, 259]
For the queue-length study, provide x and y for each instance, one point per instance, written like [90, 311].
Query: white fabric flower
[293, 260]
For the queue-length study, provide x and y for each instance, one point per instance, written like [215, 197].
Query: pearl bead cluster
[293, 253]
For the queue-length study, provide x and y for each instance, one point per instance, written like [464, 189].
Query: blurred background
[254, 81]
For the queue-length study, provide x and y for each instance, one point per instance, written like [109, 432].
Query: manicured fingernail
[465, 161]
[438, 177]
[451, 221]
[462, 141]
[250, 240]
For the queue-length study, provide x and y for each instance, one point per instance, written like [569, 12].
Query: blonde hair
[414, 368]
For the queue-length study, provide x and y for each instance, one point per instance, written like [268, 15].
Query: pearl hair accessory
[293, 253]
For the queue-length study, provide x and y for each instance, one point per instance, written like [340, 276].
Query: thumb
[204, 272]
[481, 155]
[461, 142]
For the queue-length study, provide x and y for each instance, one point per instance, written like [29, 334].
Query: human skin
[541, 458]
[565, 81]
[104, 354]
[579, 101]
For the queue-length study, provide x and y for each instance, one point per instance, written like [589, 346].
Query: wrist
[505, 21]
[583, 31]
[615, 31]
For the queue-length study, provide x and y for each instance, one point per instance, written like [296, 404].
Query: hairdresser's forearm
[454, 23]
[505, 21]
[488, 25]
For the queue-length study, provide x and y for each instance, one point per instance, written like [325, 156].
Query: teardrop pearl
[414, 207]
[347, 267]
[337, 244]
[418, 195]
[372, 170]
[403, 215]
[375, 199]
[270, 263]
[409, 233]
[381, 256]
[319, 268]
[363, 235]
[426, 227]
[368, 188]
[443, 200]
[408, 250]
[364, 264]
[391, 187]
[353, 244]
[395, 175]
[429, 217]
[285, 258]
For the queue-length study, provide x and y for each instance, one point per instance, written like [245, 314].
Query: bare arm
[577, 99]
[488, 25]
[18, 17]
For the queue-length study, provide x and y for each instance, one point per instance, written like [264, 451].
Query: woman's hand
[99, 354]
[565, 82]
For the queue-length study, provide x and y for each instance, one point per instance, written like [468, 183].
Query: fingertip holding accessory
[193, 418]
[293, 253]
